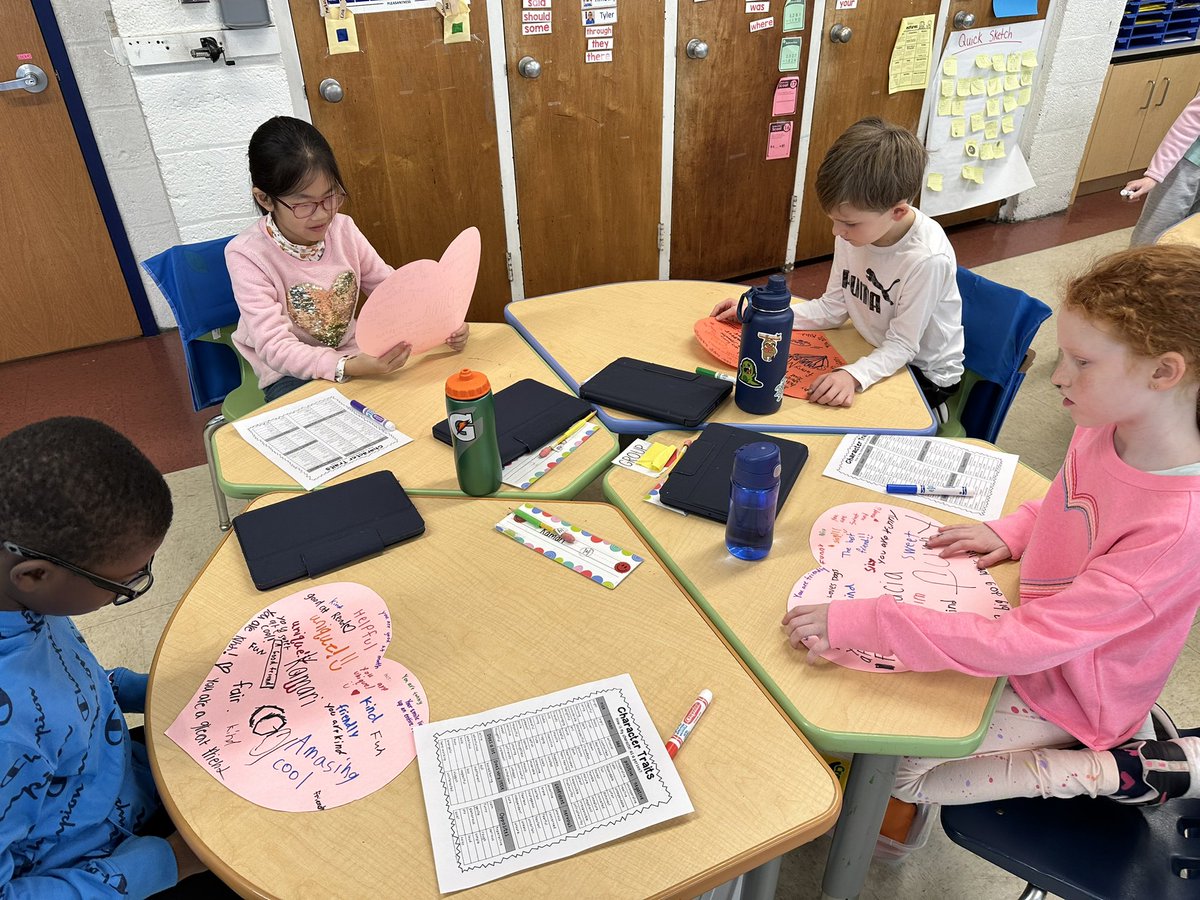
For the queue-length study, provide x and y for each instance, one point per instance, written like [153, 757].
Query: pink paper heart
[302, 712]
[423, 302]
[865, 550]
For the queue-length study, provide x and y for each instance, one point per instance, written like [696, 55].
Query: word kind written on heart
[302, 711]
[867, 550]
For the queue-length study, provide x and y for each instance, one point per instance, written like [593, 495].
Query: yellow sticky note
[1006, 124]
[958, 127]
[957, 107]
[964, 87]
[971, 148]
[1023, 96]
[1010, 103]
[1026, 78]
[340, 31]
[998, 62]
[950, 65]
[986, 151]
[1014, 62]
[995, 86]
[934, 181]
[1012, 82]
[457, 29]
[977, 87]
[968, 173]
[991, 130]
[943, 107]
[978, 172]
[977, 121]
[1029, 59]
[993, 106]
[947, 87]
[983, 61]
[999, 151]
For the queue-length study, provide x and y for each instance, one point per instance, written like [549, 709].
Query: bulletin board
[981, 92]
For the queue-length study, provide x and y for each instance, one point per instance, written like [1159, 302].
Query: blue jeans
[284, 385]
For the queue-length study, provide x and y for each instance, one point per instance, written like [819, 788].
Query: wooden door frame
[86, 140]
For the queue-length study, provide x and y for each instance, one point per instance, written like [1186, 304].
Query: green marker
[721, 375]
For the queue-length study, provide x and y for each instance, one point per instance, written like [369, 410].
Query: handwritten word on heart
[810, 355]
[866, 550]
[423, 302]
[302, 712]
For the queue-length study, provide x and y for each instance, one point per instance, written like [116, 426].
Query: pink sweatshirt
[1177, 142]
[298, 315]
[1108, 594]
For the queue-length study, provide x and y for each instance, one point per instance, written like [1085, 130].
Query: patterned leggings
[1022, 755]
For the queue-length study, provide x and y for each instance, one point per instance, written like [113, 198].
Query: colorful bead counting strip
[569, 545]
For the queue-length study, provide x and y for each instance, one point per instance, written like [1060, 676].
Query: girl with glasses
[297, 272]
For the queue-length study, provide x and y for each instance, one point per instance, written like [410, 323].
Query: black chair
[1086, 849]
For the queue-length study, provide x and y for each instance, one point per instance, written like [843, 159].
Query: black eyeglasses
[307, 210]
[125, 590]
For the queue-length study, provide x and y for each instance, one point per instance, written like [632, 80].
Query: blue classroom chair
[196, 284]
[999, 324]
[1085, 849]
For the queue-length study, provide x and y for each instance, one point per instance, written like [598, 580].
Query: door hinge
[795, 206]
[508, 263]
[662, 236]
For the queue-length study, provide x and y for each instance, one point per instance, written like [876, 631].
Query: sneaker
[1167, 769]
[1164, 725]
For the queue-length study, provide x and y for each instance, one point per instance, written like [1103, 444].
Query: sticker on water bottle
[748, 373]
[770, 344]
[462, 425]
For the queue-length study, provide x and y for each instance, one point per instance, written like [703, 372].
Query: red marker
[675, 741]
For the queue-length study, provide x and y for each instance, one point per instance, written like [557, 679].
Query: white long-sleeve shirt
[903, 299]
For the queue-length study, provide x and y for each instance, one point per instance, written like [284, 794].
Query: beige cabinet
[1141, 100]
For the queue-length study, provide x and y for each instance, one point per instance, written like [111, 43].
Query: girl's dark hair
[285, 154]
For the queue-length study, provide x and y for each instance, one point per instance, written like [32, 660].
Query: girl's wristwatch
[339, 373]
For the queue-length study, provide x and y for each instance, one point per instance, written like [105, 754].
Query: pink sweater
[297, 316]
[1177, 142]
[1108, 594]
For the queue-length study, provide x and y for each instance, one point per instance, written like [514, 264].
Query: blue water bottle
[766, 316]
[753, 496]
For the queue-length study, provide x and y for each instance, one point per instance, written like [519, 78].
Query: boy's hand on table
[357, 366]
[458, 339]
[725, 311]
[970, 538]
[836, 388]
[808, 622]
[1138, 188]
[187, 862]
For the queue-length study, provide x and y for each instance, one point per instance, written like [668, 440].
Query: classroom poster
[359, 7]
[981, 91]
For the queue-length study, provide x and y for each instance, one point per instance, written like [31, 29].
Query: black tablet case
[528, 415]
[699, 483]
[329, 528]
[656, 392]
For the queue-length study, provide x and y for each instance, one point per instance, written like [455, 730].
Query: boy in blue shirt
[82, 513]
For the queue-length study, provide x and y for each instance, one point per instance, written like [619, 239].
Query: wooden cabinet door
[415, 137]
[62, 284]
[730, 205]
[1176, 85]
[1128, 92]
[852, 83]
[587, 147]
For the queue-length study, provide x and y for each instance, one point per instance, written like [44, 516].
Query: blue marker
[930, 490]
[373, 416]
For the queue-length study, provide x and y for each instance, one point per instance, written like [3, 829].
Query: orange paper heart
[810, 355]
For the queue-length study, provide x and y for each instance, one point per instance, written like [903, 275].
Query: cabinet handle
[1163, 98]
[1149, 97]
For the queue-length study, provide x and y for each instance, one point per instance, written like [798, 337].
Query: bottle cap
[772, 296]
[467, 384]
[757, 466]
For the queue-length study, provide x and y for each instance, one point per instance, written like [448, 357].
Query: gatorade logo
[462, 426]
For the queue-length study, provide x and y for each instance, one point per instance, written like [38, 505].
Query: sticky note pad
[1023, 96]
[977, 171]
[977, 87]
[983, 61]
[995, 86]
[968, 173]
[950, 66]
[991, 130]
[1006, 125]
[1010, 103]
[986, 151]
[998, 62]
[1026, 78]
[993, 106]
[971, 148]
[934, 181]
[999, 151]
[947, 87]
[1014, 62]
[1012, 82]
[1029, 59]
[958, 127]
[943, 106]
[958, 107]
[964, 87]
[977, 121]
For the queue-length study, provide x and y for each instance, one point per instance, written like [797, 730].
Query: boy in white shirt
[893, 272]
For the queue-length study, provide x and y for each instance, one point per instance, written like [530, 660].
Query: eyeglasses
[125, 590]
[307, 210]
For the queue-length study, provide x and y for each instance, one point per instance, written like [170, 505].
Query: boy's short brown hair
[873, 166]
